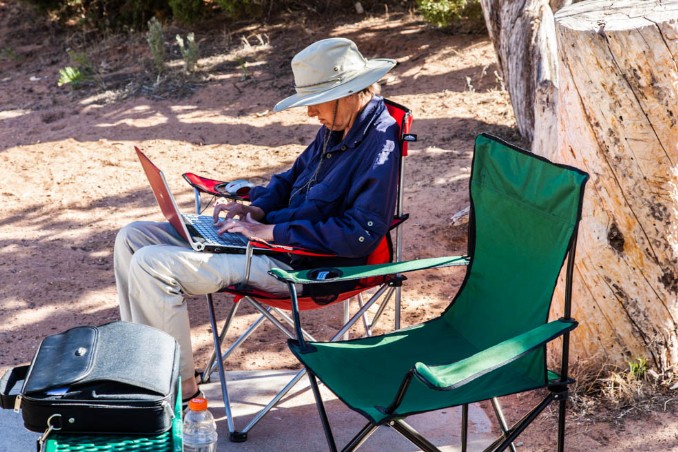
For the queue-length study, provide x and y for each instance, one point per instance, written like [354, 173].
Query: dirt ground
[71, 178]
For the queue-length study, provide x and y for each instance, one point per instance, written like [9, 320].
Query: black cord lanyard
[313, 179]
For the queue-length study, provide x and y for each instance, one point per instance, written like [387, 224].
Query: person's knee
[150, 271]
[126, 236]
[145, 259]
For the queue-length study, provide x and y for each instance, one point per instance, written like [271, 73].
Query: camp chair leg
[502, 420]
[384, 293]
[361, 437]
[323, 414]
[504, 441]
[361, 313]
[268, 313]
[346, 307]
[560, 392]
[561, 425]
[247, 333]
[274, 401]
[396, 321]
[464, 427]
[211, 364]
[414, 436]
[389, 293]
[234, 435]
[366, 325]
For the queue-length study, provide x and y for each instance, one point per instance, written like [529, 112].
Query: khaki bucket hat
[330, 69]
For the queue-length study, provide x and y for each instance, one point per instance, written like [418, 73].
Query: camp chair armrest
[454, 375]
[334, 274]
[263, 245]
[213, 187]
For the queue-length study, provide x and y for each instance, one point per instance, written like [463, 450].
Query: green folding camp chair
[491, 340]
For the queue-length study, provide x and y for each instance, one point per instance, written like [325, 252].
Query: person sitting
[337, 198]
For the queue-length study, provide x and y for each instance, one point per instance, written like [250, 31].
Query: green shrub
[241, 9]
[187, 11]
[104, 14]
[450, 13]
[638, 369]
[156, 42]
[133, 15]
[70, 75]
[83, 72]
[189, 52]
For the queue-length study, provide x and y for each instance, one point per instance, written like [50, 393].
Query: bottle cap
[197, 404]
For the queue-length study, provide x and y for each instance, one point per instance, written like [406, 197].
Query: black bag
[115, 378]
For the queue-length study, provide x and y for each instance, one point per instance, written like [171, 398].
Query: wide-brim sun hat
[330, 69]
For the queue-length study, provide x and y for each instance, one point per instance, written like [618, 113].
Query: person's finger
[249, 219]
[236, 210]
[238, 226]
[222, 228]
[226, 225]
[217, 210]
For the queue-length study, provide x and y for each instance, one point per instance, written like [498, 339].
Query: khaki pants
[155, 268]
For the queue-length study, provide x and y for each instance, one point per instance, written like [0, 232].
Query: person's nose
[311, 111]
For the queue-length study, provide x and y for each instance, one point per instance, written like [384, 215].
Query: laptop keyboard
[203, 225]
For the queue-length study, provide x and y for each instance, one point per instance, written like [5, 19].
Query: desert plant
[187, 11]
[189, 52]
[638, 368]
[83, 71]
[9, 54]
[240, 9]
[156, 42]
[103, 15]
[445, 13]
[70, 76]
[242, 65]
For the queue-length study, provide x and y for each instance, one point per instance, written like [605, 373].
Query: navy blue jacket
[348, 206]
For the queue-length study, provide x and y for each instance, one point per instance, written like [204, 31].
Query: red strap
[403, 117]
[264, 245]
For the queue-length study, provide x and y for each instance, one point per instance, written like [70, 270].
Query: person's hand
[237, 210]
[248, 227]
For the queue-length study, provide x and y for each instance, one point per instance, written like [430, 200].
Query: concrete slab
[294, 424]
[13, 436]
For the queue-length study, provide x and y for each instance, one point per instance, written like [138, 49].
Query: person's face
[346, 107]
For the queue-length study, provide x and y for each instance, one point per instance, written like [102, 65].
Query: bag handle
[10, 385]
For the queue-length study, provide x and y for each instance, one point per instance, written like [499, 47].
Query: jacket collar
[361, 126]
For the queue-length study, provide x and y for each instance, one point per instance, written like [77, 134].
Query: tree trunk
[617, 114]
[523, 35]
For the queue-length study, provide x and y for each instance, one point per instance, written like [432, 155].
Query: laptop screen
[162, 195]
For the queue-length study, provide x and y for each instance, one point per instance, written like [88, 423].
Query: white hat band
[328, 84]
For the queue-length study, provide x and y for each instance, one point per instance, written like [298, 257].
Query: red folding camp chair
[272, 307]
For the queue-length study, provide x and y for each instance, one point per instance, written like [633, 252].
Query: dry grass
[604, 392]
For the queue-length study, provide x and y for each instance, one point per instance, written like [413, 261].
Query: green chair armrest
[454, 375]
[365, 271]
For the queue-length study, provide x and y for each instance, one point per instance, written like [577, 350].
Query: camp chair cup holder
[325, 274]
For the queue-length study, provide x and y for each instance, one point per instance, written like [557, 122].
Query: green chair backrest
[524, 214]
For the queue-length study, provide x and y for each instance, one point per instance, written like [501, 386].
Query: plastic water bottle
[200, 430]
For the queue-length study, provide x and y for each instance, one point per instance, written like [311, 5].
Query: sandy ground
[71, 179]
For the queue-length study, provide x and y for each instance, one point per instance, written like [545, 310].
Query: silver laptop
[197, 230]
